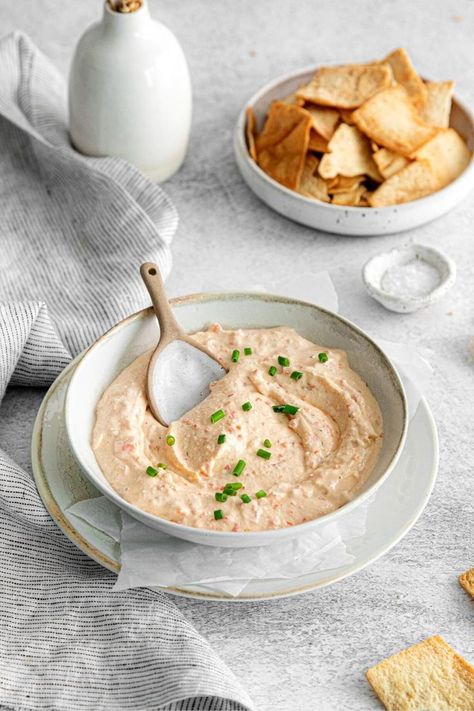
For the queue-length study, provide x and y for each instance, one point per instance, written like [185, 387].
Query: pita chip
[467, 581]
[388, 162]
[437, 109]
[250, 131]
[410, 183]
[405, 74]
[349, 155]
[312, 185]
[447, 155]
[346, 86]
[283, 143]
[390, 119]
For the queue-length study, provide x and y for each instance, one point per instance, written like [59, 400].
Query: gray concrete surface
[310, 652]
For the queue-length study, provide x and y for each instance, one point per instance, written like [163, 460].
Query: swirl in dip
[319, 457]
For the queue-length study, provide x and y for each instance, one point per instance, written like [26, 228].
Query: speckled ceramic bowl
[138, 333]
[334, 218]
[404, 303]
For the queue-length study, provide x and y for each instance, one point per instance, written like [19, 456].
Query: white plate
[398, 502]
[333, 218]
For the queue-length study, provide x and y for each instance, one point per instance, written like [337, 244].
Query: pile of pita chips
[429, 675]
[365, 135]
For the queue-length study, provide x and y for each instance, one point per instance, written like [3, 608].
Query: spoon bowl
[180, 369]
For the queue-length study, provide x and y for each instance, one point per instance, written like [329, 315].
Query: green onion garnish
[296, 375]
[216, 416]
[246, 498]
[233, 486]
[221, 439]
[239, 467]
[247, 351]
[278, 408]
[267, 443]
[170, 440]
[160, 465]
[221, 497]
[235, 356]
[272, 370]
[263, 453]
[218, 514]
[323, 357]
[283, 360]
[151, 471]
[260, 494]
[247, 406]
[230, 492]
[290, 409]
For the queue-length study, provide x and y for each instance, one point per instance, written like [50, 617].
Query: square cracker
[427, 676]
[283, 143]
[250, 131]
[467, 581]
[350, 197]
[324, 120]
[346, 86]
[390, 119]
[312, 185]
[405, 74]
[447, 155]
[410, 183]
[350, 155]
[437, 109]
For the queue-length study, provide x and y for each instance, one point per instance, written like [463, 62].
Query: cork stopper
[125, 6]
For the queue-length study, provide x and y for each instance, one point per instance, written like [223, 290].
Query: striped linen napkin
[72, 232]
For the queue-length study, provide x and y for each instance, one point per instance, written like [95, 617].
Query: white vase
[130, 93]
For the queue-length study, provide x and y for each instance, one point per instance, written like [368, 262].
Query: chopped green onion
[247, 406]
[160, 465]
[296, 375]
[151, 471]
[239, 467]
[221, 439]
[233, 486]
[230, 492]
[290, 409]
[283, 360]
[263, 453]
[323, 357]
[218, 514]
[170, 440]
[260, 494]
[247, 351]
[235, 356]
[246, 498]
[221, 497]
[278, 408]
[216, 416]
[267, 443]
[272, 370]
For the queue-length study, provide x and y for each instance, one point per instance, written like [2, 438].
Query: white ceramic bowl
[404, 303]
[131, 337]
[341, 219]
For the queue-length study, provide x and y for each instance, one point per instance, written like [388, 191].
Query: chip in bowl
[378, 124]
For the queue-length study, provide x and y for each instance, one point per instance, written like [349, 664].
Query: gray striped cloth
[72, 232]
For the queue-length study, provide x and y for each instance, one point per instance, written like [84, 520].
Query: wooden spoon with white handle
[180, 369]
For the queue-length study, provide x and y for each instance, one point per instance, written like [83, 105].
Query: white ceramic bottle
[130, 92]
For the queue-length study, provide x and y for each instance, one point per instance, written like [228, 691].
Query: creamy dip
[319, 456]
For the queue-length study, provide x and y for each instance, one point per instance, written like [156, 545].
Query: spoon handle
[169, 327]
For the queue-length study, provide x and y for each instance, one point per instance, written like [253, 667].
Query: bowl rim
[241, 144]
[445, 283]
[274, 533]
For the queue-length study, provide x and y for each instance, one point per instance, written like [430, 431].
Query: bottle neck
[135, 22]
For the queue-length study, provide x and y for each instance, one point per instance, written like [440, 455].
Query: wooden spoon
[180, 369]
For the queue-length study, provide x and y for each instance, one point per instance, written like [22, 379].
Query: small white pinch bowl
[375, 269]
[353, 221]
[104, 360]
